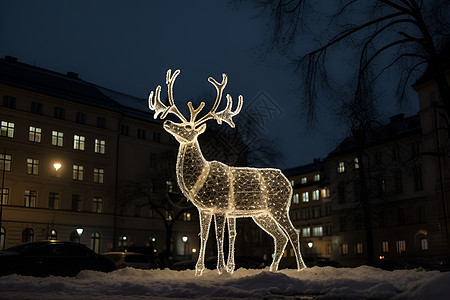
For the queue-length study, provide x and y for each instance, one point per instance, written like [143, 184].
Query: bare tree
[410, 34]
[158, 191]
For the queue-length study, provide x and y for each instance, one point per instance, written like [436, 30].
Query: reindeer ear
[201, 129]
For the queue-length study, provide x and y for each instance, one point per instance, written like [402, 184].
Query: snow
[312, 283]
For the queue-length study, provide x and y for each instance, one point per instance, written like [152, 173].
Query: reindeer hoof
[230, 268]
[199, 270]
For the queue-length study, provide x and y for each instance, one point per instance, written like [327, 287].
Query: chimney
[9, 58]
[73, 75]
[397, 118]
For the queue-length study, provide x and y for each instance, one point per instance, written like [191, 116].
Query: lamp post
[184, 239]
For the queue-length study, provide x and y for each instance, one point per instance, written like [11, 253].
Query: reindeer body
[234, 191]
[223, 191]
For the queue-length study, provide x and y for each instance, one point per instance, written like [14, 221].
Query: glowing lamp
[310, 244]
[79, 231]
[184, 239]
[194, 250]
[223, 191]
[57, 166]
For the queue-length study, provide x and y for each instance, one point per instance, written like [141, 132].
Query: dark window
[420, 214]
[418, 182]
[9, 102]
[141, 133]
[60, 113]
[153, 160]
[156, 137]
[401, 216]
[398, 182]
[101, 122]
[415, 148]
[27, 235]
[36, 108]
[124, 130]
[341, 192]
[76, 202]
[81, 118]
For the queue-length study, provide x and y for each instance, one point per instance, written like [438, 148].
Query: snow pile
[344, 283]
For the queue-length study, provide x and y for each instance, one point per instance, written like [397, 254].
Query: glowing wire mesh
[223, 191]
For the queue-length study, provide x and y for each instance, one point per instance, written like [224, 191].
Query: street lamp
[57, 166]
[184, 239]
[79, 231]
[310, 244]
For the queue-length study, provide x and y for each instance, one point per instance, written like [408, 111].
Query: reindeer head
[188, 131]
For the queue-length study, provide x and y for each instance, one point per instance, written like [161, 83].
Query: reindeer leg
[285, 223]
[231, 240]
[205, 222]
[269, 225]
[220, 230]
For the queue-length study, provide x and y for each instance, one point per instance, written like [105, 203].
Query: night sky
[127, 46]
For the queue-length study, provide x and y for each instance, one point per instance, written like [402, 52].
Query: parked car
[128, 259]
[47, 258]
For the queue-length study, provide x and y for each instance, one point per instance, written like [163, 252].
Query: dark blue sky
[128, 46]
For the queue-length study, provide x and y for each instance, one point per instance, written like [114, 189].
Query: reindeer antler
[154, 103]
[225, 115]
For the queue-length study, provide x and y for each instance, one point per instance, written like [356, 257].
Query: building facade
[67, 149]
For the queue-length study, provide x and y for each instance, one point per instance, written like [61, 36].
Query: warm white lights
[223, 191]
[57, 166]
[79, 231]
[184, 239]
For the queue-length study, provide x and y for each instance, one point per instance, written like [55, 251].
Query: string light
[223, 191]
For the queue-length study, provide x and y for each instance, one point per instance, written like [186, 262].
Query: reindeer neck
[190, 165]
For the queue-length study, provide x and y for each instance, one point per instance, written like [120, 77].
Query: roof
[70, 87]
[397, 128]
[316, 166]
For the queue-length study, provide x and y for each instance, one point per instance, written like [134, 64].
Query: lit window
[359, 248]
[385, 246]
[424, 244]
[4, 194]
[356, 163]
[316, 195]
[7, 129]
[100, 146]
[57, 138]
[78, 172]
[78, 142]
[401, 246]
[98, 175]
[341, 167]
[344, 249]
[97, 204]
[305, 197]
[306, 232]
[317, 177]
[5, 162]
[30, 198]
[304, 180]
[318, 231]
[52, 235]
[296, 198]
[33, 166]
[325, 192]
[186, 216]
[34, 134]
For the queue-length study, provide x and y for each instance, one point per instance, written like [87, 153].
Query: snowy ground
[312, 283]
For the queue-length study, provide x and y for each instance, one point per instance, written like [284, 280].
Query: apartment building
[311, 209]
[67, 147]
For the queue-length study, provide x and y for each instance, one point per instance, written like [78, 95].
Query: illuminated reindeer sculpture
[223, 191]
